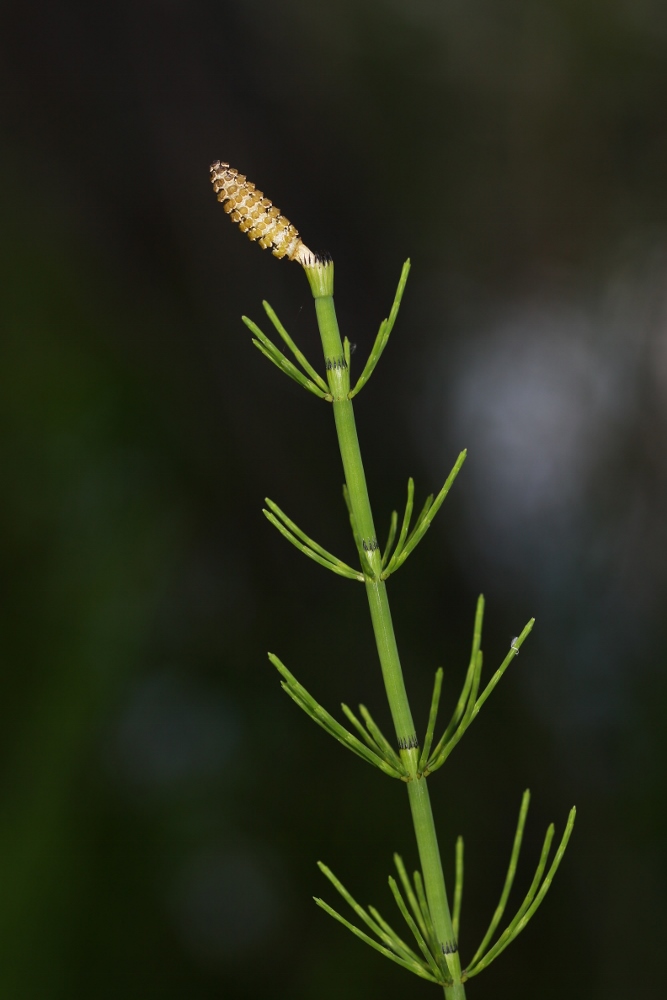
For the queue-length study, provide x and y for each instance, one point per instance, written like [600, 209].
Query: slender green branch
[361, 729]
[509, 878]
[310, 548]
[300, 357]
[532, 899]
[409, 892]
[392, 945]
[386, 327]
[347, 353]
[392, 938]
[469, 705]
[433, 714]
[418, 969]
[438, 760]
[409, 503]
[305, 701]
[350, 900]
[374, 738]
[465, 691]
[514, 652]
[520, 921]
[393, 526]
[270, 351]
[425, 950]
[407, 545]
[458, 889]
[379, 736]
[430, 935]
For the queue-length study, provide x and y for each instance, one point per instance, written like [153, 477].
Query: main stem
[320, 277]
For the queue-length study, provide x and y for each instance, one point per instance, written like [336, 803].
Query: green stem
[434, 881]
[320, 277]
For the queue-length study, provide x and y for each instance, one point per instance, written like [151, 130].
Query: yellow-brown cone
[256, 215]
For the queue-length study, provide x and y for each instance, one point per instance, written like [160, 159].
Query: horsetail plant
[422, 900]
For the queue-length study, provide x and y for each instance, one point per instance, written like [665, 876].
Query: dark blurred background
[163, 803]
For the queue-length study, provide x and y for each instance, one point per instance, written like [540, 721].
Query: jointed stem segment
[321, 280]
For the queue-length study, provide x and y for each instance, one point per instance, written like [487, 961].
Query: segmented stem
[320, 276]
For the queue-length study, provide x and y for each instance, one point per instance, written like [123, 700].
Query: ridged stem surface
[338, 377]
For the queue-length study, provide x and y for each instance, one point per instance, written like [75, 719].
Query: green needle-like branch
[416, 897]
[361, 729]
[430, 967]
[533, 897]
[397, 943]
[392, 946]
[270, 351]
[407, 516]
[303, 543]
[433, 714]
[393, 527]
[300, 357]
[407, 543]
[509, 879]
[416, 933]
[469, 704]
[379, 737]
[373, 737]
[514, 652]
[372, 753]
[431, 936]
[419, 969]
[458, 887]
[410, 893]
[386, 327]
[347, 353]
[444, 748]
[465, 691]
